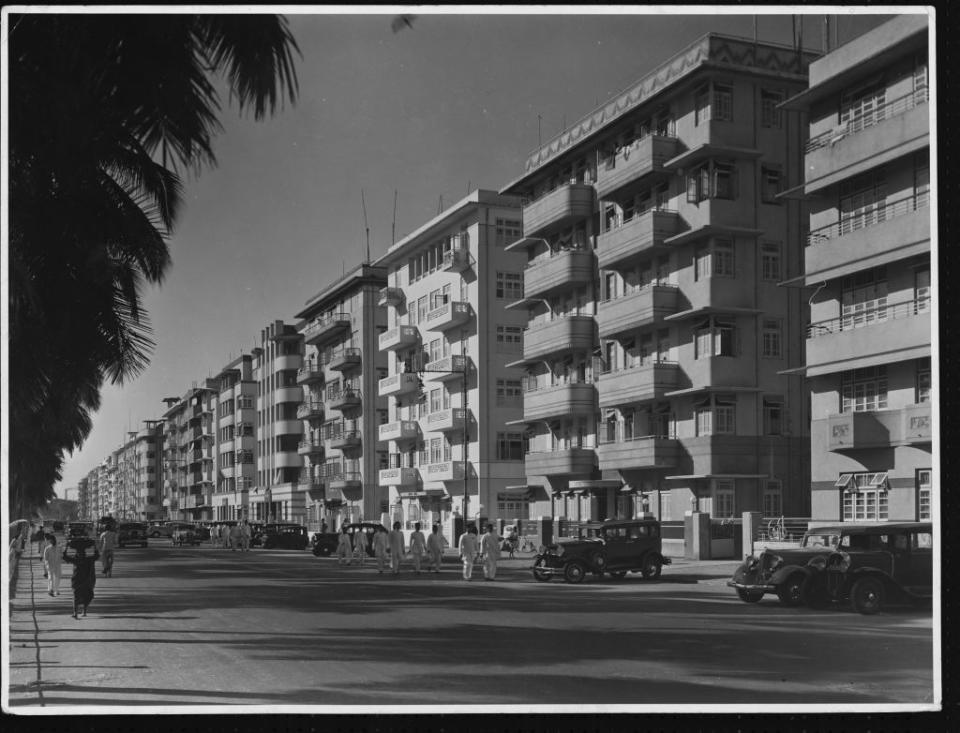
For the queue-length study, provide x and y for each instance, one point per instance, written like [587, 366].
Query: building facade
[341, 409]
[452, 453]
[656, 240]
[236, 439]
[189, 454]
[867, 270]
[277, 495]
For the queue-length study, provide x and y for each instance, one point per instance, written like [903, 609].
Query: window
[716, 416]
[701, 104]
[770, 116]
[864, 496]
[770, 261]
[610, 285]
[511, 446]
[509, 392]
[723, 102]
[923, 493]
[714, 338]
[770, 184]
[771, 339]
[723, 263]
[772, 499]
[712, 180]
[436, 401]
[863, 106]
[863, 390]
[724, 505]
[422, 309]
[923, 381]
[862, 202]
[863, 298]
[509, 285]
[921, 290]
[509, 339]
[772, 417]
[702, 262]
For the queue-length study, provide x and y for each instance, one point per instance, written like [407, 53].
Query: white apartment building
[236, 439]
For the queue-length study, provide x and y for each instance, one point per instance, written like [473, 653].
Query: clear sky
[431, 111]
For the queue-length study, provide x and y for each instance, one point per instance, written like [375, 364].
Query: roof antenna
[393, 227]
[468, 187]
[365, 225]
[440, 205]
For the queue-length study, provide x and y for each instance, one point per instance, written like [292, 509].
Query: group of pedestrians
[389, 547]
[84, 558]
[234, 536]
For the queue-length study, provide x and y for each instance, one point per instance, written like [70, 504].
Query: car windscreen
[820, 540]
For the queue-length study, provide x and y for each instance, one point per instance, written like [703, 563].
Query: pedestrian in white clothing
[51, 563]
[418, 545]
[235, 535]
[380, 544]
[468, 550]
[245, 534]
[360, 545]
[435, 548]
[397, 548]
[344, 548]
[490, 553]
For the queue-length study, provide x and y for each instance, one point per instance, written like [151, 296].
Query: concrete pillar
[751, 521]
[697, 536]
[545, 532]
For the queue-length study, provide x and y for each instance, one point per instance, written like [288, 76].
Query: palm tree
[106, 112]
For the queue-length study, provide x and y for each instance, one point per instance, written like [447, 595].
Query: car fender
[785, 572]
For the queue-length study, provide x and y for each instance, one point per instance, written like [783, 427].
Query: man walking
[234, 537]
[396, 548]
[84, 578]
[108, 541]
[418, 544]
[435, 548]
[380, 544]
[245, 536]
[360, 545]
[344, 550]
[51, 564]
[490, 553]
[468, 550]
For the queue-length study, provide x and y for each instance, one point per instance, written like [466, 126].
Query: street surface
[201, 626]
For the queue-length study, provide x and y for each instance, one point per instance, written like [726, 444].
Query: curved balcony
[346, 400]
[325, 328]
[563, 399]
[310, 448]
[568, 462]
[646, 307]
[561, 206]
[310, 411]
[398, 477]
[287, 427]
[391, 296]
[348, 440]
[566, 333]
[349, 480]
[287, 460]
[449, 315]
[399, 431]
[447, 369]
[398, 384]
[643, 158]
[561, 269]
[636, 238]
[309, 372]
[637, 384]
[638, 453]
[345, 360]
[399, 337]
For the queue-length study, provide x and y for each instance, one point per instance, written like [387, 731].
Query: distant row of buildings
[712, 293]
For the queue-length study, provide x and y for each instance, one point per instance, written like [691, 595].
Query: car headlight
[559, 550]
[775, 563]
[840, 561]
[818, 563]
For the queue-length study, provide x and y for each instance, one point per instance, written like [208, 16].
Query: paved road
[199, 626]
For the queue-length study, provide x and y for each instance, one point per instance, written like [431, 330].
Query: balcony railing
[878, 214]
[447, 368]
[344, 359]
[391, 296]
[448, 315]
[399, 337]
[883, 112]
[398, 384]
[347, 399]
[307, 447]
[310, 410]
[326, 326]
[869, 317]
[345, 440]
[399, 430]
[456, 260]
[398, 476]
[311, 371]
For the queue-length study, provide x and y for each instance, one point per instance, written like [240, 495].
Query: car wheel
[651, 567]
[618, 574]
[574, 572]
[538, 571]
[866, 596]
[790, 591]
[749, 596]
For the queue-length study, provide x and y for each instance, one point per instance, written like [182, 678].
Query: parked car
[132, 533]
[80, 529]
[184, 534]
[369, 528]
[105, 523]
[616, 546]
[325, 543]
[161, 529]
[285, 536]
[865, 565]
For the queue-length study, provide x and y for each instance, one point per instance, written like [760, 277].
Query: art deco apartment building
[341, 409]
[83, 497]
[100, 490]
[189, 453]
[867, 270]
[236, 439]
[146, 453]
[277, 496]
[656, 242]
[451, 395]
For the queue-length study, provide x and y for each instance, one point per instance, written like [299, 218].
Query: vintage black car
[865, 565]
[325, 543]
[616, 546]
[286, 536]
[184, 533]
[132, 533]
